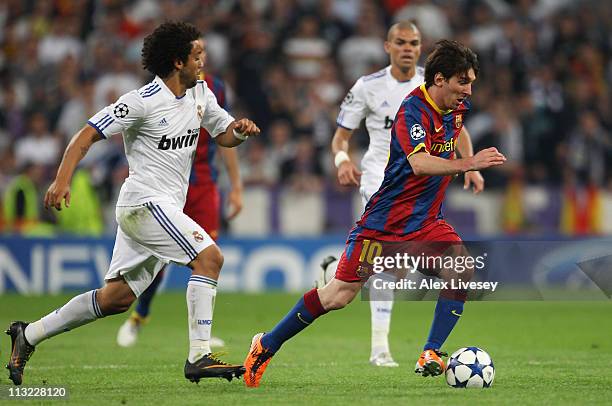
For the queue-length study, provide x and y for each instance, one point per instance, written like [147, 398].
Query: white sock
[201, 292]
[381, 305]
[80, 310]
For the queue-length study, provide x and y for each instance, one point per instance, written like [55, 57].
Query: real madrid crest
[200, 112]
[458, 120]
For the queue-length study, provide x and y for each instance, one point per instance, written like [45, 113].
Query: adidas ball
[470, 367]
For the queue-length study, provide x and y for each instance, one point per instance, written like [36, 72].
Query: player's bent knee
[114, 298]
[211, 257]
[335, 296]
[215, 257]
[341, 300]
[208, 262]
[124, 303]
[337, 304]
[117, 305]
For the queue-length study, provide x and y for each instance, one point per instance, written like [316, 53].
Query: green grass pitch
[544, 353]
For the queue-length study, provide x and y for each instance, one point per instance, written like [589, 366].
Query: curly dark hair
[449, 58]
[171, 41]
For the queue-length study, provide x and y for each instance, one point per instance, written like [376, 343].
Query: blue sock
[295, 321]
[446, 315]
[144, 300]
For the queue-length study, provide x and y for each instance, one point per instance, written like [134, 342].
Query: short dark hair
[449, 58]
[402, 25]
[169, 42]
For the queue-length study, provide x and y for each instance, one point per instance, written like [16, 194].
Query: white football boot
[383, 359]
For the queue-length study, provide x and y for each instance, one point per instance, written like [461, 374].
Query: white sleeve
[119, 116]
[215, 120]
[354, 107]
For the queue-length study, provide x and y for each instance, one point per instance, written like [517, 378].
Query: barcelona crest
[363, 272]
[458, 120]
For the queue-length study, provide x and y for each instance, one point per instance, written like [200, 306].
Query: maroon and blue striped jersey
[204, 171]
[405, 203]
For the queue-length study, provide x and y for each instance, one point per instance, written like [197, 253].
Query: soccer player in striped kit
[407, 206]
[203, 205]
[376, 98]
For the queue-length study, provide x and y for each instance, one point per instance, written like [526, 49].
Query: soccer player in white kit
[377, 98]
[160, 123]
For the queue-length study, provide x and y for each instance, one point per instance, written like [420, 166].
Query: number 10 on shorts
[369, 251]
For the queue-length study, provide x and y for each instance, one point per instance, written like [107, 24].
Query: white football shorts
[150, 236]
[366, 192]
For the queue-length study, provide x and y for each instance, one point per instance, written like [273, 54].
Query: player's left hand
[475, 179]
[247, 127]
[235, 202]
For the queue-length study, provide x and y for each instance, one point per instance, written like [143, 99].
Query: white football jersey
[160, 134]
[377, 98]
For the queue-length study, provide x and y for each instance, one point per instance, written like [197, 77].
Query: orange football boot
[430, 363]
[256, 362]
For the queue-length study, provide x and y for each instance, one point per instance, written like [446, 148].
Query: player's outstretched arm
[424, 164]
[465, 149]
[75, 151]
[348, 174]
[237, 132]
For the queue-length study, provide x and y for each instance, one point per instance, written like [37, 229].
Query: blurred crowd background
[543, 97]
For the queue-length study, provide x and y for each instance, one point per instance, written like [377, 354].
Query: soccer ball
[327, 271]
[470, 367]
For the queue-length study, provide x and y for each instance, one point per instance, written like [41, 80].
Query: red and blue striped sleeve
[412, 128]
